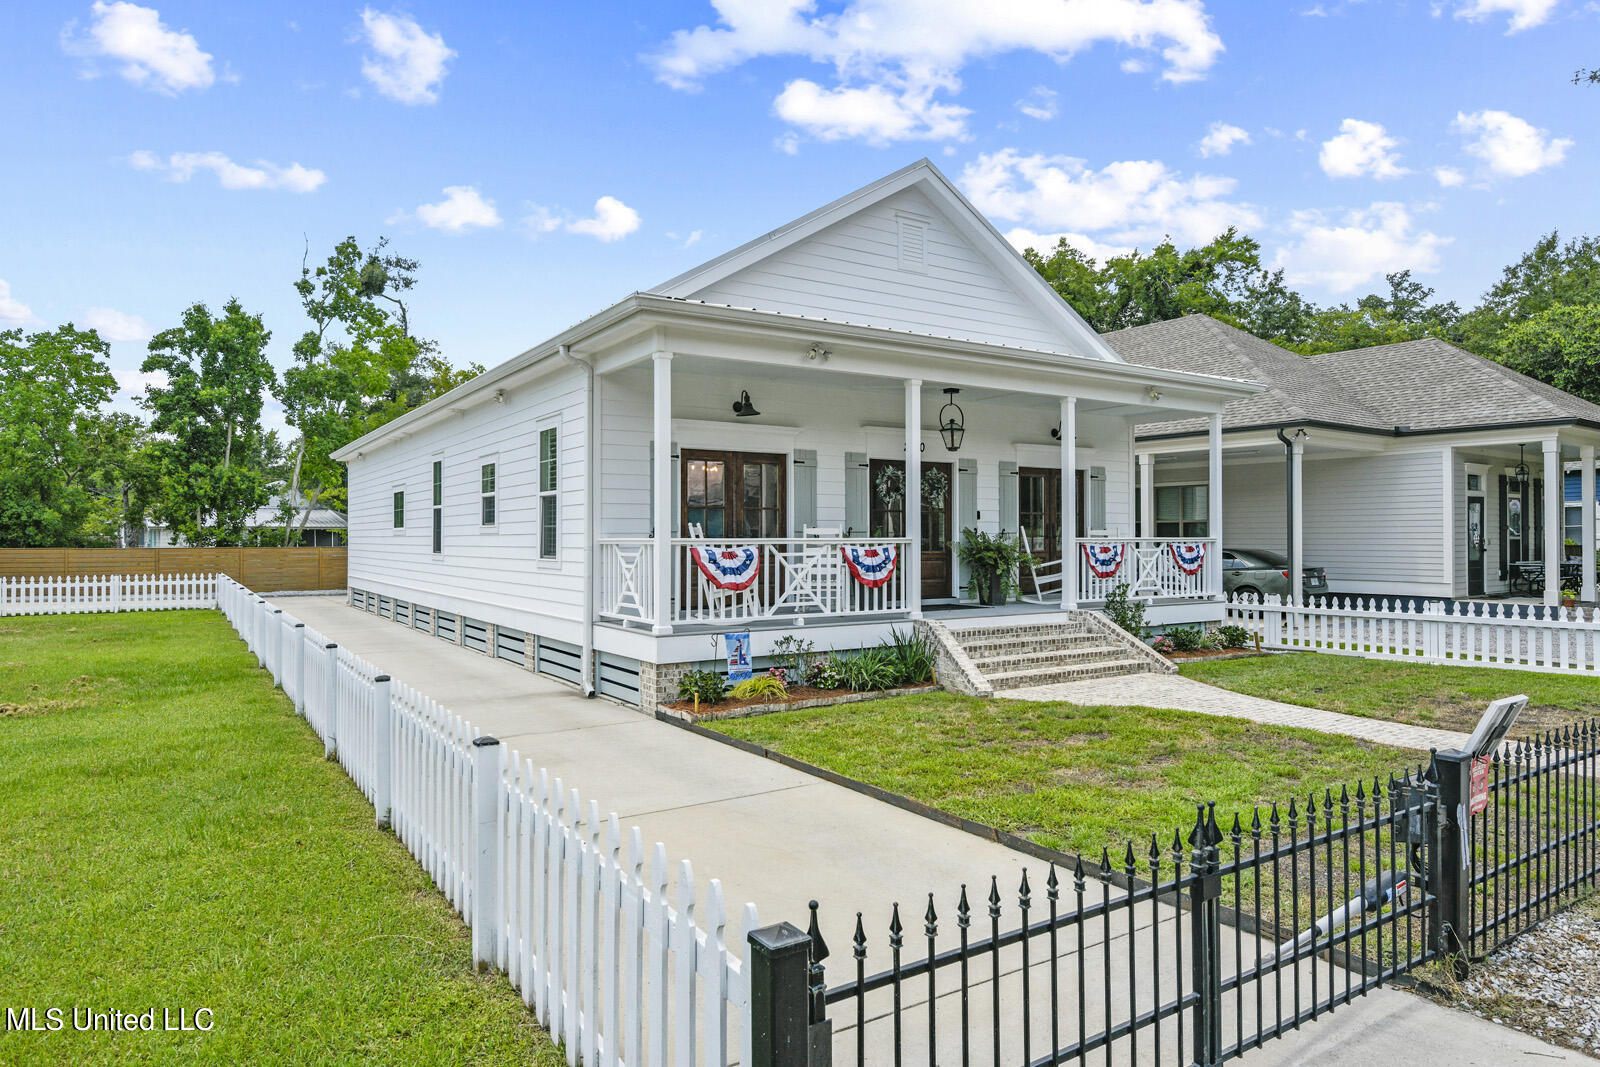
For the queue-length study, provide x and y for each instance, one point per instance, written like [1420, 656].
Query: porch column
[1147, 495]
[1069, 503]
[913, 505]
[661, 365]
[1553, 526]
[1586, 516]
[1297, 518]
[1214, 499]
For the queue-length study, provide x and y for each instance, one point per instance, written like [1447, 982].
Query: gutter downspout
[587, 676]
[1288, 505]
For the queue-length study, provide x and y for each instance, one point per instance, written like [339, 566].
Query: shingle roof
[1424, 385]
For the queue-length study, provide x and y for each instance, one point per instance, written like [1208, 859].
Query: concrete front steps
[993, 656]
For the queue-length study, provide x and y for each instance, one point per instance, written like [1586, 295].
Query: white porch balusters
[1069, 503]
[1297, 558]
[913, 501]
[1586, 516]
[1554, 530]
[1214, 499]
[665, 521]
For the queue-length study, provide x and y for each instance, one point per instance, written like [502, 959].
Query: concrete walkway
[779, 838]
[1187, 694]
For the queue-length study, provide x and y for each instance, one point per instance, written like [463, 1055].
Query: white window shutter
[805, 490]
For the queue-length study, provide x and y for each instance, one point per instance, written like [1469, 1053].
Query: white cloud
[463, 208]
[693, 238]
[114, 325]
[612, 220]
[540, 221]
[1220, 139]
[1510, 147]
[135, 382]
[151, 55]
[874, 114]
[181, 166]
[1022, 238]
[1361, 148]
[892, 58]
[1124, 203]
[1040, 103]
[1449, 177]
[1361, 245]
[13, 312]
[1523, 14]
[1133, 66]
[787, 143]
[409, 64]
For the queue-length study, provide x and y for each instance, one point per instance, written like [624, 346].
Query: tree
[209, 412]
[1406, 314]
[1559, 346]
[357, 366]
[1225, 279]
[52, 387]
[1550, 275]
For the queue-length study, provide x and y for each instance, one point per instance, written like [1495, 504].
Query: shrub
[1126, 613]
[869, 669]
[987, 555]
[1186, 638]
[910, 658]
[709, 686]
[766, 687]
[1162, 645]
[826, 672]
[791, 654]
[1233, 636]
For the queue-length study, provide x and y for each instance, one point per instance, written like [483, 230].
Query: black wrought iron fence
[1323, 902]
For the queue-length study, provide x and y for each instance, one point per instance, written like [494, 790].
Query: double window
[548, 503]
[438, 506]
[486, 494]
[1182, 511]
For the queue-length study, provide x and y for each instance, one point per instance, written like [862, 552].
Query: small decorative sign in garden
[738, 649]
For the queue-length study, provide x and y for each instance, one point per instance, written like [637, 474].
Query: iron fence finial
[819, 947]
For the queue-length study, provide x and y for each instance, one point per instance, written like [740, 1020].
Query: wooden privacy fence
[621, 965]
[1528, 637]
[266, 569]
[106, 592]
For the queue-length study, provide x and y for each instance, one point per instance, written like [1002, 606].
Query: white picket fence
[1528, 637]
[78, 594]
[624, 969]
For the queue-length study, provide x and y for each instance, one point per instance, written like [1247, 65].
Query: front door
[888, 517]
[1476, 544]
[1039, 509]
[733, 495]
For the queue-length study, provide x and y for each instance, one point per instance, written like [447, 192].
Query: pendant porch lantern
[952, 422]
[1519, 476]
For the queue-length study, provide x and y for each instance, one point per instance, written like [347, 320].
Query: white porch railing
[1150, 567]
[794, 577]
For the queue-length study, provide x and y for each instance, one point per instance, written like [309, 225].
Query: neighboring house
[576, 497]
[1422, 467]
[324, 527]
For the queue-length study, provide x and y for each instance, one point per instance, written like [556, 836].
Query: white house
[1411, 469]
[778, 408]
[321, 528]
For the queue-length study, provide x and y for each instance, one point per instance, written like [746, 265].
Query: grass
[1068, 777]
[174, 839]
[1443, 696]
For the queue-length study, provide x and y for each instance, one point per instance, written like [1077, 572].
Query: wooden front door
[1477, 539]
[1039, 509]
[733, 495]
[888, 518]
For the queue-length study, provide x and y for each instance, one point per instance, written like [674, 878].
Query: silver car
[1256, 571]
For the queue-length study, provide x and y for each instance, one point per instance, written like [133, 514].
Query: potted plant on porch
[991, 561]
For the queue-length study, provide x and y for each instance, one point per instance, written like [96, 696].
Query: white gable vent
[912, 234]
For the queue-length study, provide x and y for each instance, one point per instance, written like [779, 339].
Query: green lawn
[1068, 777]
[1447, 697]
[173, 839]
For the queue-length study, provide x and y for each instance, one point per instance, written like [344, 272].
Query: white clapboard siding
[622, 964]
[83, 593]
[1528, 637]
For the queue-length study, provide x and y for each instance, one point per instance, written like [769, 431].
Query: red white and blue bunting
[1104, 560]
[733, 569]
[1189, 556]
[871, 565]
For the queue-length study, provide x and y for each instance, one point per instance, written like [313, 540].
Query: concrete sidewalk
[779, 837]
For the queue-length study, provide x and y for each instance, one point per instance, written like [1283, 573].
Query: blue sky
[542, 160]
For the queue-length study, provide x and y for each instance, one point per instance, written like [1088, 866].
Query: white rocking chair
[723, 603]
[1045, 575]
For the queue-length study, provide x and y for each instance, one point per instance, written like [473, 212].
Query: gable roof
[1413, 386]
[971, 226]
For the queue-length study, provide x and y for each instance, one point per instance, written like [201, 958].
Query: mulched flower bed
[800, 696]
[1213, 653]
